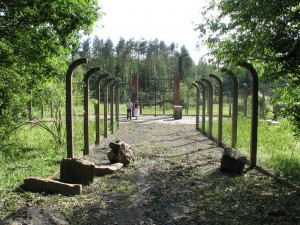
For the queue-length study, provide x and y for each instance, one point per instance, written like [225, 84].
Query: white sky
[166, 20]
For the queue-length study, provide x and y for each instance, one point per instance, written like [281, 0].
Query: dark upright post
[97, 106]
[220, 114]
[117, 104]
[210, 106]
[134, 88]
[254, 112]
[203, 105]
[69, 105]
[234, 105]
[86, 79]
[245, 100]
[177, 107]
[112, 100]
[107, 82]
[197, 104]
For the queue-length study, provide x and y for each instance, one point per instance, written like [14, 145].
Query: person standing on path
[129, 107]
[136, 111]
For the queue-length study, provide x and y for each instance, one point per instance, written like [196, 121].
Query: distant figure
[136, 111]
[129, 107]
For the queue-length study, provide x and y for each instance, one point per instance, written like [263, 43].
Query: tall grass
[33, 152]
[277, 148]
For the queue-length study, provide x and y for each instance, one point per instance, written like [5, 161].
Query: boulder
[34, 216]
[107, 169]
[51, 186]
[77, 171]
[120, 153]
[232, 161]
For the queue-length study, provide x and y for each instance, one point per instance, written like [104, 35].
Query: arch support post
[209, 105]
[220, 114]
[97, 106]
[197, 104]
[106, 84]
[86, 80]
[69, 105]
[203, 105]
[112, 101]
[234, 105]
[254, 113]
[118, 104]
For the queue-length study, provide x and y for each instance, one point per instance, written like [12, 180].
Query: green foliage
[36, 39]
[265, 33]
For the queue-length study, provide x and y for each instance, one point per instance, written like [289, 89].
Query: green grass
[33, 152]
[277, 148]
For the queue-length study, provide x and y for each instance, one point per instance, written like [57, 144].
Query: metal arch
[106, 83]
[118, 103]
[69, 105]
[86, 79]
[197, 105]
[112, 97]
[254, 113]
[97, 106]
[210, 105]
[234, 105]
[203, 105]
[220, 114]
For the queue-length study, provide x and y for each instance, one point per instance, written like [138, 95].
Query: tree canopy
[36, 38]
[265, 33]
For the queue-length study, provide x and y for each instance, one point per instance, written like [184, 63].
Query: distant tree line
[147, 58]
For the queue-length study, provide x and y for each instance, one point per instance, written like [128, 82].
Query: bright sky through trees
[166, 20]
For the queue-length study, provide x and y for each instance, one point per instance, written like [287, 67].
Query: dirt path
[175, 168]
[175, 179]
[159, 186]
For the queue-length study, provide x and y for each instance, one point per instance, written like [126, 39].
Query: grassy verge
[277, 148]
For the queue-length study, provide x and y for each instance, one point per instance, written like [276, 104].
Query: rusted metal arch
[203, 105]
[112, 100]
[220, 114]
[118, 103]
[97, 106]
[254, 113]
[197, 104]
[106, 83]
[234, 105]
[69, 105]
[86, 79]
[210, 105]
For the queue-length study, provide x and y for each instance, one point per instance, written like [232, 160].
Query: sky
[166, 20]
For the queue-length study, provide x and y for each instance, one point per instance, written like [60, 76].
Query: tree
[265, 33]
[34, 34]
[185, 63]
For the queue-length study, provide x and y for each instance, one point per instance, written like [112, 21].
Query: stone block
[120, 153]
[77, 171]
[232, 161]
[177, 112]
[107, 169]
[52, 186]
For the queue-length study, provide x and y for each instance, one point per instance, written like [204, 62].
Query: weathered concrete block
[52, 186]
[120, 152]
[77, 171]
[107, 169]
[177, 112]
[232, 161]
